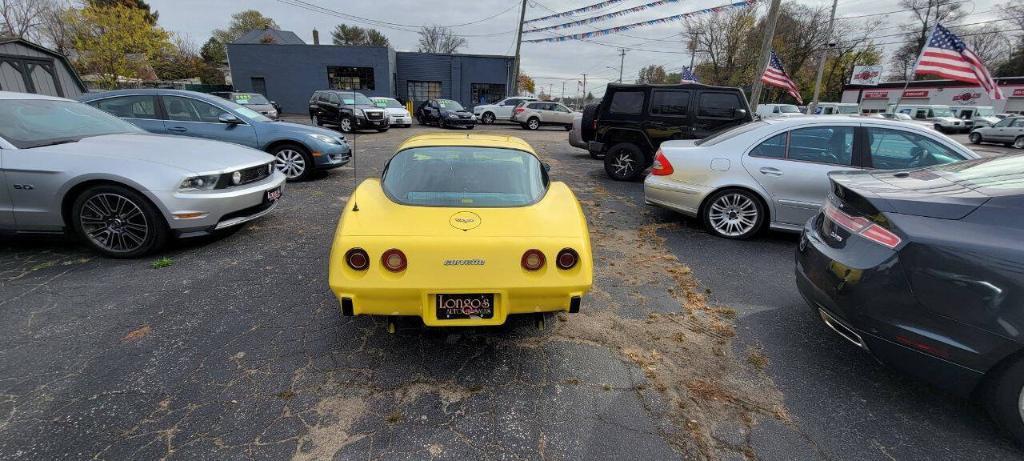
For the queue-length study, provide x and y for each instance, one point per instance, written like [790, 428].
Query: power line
[391, 25]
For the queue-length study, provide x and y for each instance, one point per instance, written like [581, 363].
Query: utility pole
[811, 109]
[519, 42]
[622, 62]
[583, 97]
[693, 49]
[766, 49]
[563, 92]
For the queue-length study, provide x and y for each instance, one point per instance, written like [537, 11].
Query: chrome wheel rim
[1019, 143]
[1020, 403]
[733, 214]
[534, 124]
[346, 124]
[316, 121]
[290, 162]
[623, 163]
[114, 222]
[488, 119]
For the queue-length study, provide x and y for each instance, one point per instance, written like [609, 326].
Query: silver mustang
[775, 171]
[65, 166]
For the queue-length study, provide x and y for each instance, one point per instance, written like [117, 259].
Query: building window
[487, 93]
[350, 78]
[422, 91]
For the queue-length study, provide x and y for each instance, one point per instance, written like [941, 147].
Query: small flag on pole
[947, 56]
[689, 76]
[774, 75]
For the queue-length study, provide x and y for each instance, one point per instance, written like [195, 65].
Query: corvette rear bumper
[422, 303]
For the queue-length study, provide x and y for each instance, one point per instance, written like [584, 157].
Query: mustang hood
[190, 154]
[371, 213]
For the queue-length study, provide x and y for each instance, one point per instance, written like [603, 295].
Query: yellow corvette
[461, 230]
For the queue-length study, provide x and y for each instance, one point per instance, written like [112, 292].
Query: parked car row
[910, 242]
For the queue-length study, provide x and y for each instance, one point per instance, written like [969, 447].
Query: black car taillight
[861, 226]
[567, 259]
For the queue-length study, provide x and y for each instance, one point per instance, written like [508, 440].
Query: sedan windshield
[29, 123]
[462, 176]
[250, 99]
[388, 103]
[449, 104]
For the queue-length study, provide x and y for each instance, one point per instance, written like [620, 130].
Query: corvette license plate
[464, 306]
[273, 195]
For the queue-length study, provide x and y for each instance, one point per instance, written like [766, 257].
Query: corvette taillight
[532, 260]
[394, 260]
[862, 227]
[567, 259]
[661, 166]
[357, 259]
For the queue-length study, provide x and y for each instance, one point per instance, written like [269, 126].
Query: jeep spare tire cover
[587, 124]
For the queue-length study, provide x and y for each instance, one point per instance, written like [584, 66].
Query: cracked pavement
[237, 350]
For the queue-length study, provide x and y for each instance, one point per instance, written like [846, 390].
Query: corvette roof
[466, 139]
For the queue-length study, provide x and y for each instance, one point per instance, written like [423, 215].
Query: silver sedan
[65, 166]
[1009, 131]
[775, 172]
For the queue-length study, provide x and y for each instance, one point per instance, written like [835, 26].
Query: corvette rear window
[461, 176]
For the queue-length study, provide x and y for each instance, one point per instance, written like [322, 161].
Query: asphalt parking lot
[689, 347]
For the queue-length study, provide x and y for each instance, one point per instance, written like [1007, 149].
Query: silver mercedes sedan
[66, 166]
[775, 171]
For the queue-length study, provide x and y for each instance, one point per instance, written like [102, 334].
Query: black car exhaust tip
[842, 330]
[574, 305]
[346, 307]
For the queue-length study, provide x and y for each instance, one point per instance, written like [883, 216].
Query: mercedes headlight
[324, 138]
[204, 182]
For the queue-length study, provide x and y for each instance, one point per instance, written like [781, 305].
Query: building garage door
[29, 75]
[1015, 106]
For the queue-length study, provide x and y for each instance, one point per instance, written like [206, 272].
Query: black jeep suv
[349, 110]
[632, 121]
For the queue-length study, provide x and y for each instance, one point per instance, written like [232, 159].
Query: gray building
[30, 68]
[285, 69]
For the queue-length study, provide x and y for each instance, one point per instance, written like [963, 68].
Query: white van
[837, 108]
[976, 116]
[940, 116]
[777, 110]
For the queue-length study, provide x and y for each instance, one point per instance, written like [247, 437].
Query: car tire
[293, 160]
[532, 124]
[975, 138]
[733, 214]
[346, 125]
[625, 162]
[1004, 400]
[487, 118]
[1019, 142]
[118, 222]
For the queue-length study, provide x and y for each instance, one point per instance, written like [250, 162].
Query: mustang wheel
[118, 221]
[293, 161]
[624, 162]
[345, 124]
[975, 138]
[532, 124]
[487, 118]
[735, 214]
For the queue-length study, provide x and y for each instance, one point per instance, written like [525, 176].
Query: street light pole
[821, 60]
[766, 49]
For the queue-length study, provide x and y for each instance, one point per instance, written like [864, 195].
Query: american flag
[775, 76]
[946, 56]
[689, 76]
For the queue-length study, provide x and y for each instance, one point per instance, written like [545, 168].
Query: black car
[348, 110]
[444, 113]
[632, 121]
[924, 269]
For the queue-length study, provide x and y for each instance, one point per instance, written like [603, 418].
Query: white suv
[501, 110]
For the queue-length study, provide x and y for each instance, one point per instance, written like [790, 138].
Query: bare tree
[56, 29]
[720, 38]
[22, 18]
[439, 39]
[988, 42]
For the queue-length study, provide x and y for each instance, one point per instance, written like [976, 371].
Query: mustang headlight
[205, 182]
[324, 138]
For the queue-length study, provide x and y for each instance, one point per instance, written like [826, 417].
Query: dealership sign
[915, 94]
[876, 95]
[1018, 92]
[866, 75]
[967, 97]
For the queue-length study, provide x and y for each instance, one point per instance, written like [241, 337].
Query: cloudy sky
[489, 27]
